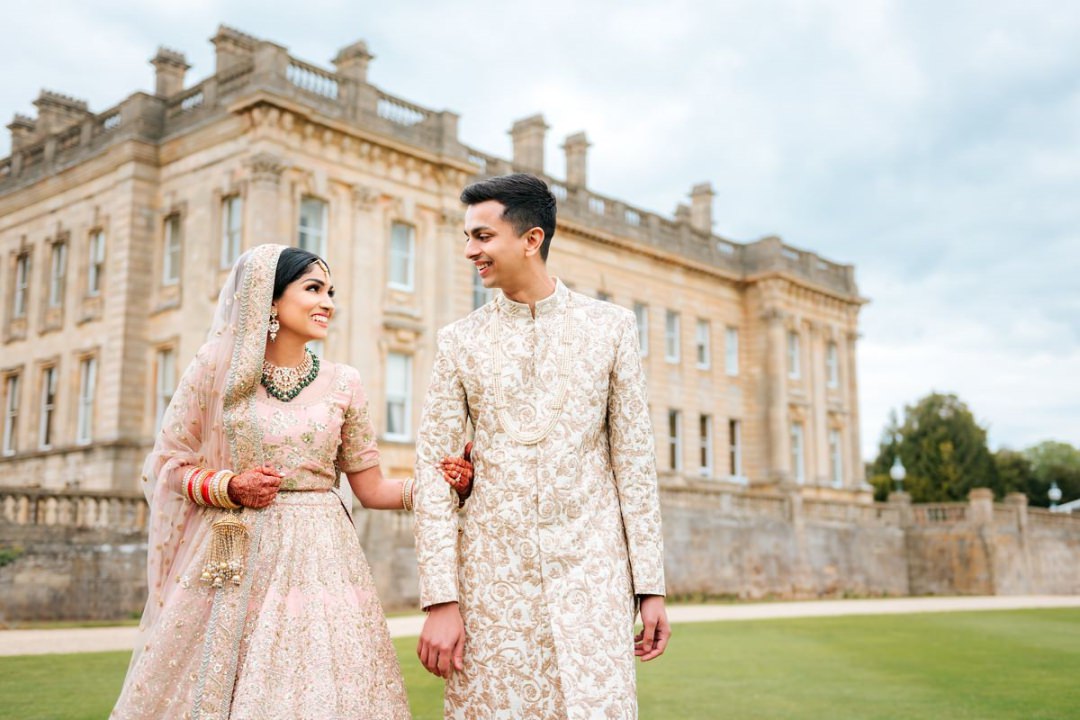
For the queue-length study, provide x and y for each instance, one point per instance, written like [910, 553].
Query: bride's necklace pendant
[285, 383]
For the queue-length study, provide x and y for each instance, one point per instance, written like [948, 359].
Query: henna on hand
[458, 472]
[255, 488]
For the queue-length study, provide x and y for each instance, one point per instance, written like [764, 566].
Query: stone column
[701, 201]
[853, 459]
[449, 261]
[779, 440]
[263, 209]
[902, 502]
[366, 276]
[170, 67]
[576, 148]
[528, 137]
[819, 419]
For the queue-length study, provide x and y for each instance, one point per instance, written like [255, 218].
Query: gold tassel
[225, 556]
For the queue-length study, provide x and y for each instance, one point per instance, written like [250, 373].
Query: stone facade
[117, 229]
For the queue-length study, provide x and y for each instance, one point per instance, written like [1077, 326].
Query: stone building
[118, 227]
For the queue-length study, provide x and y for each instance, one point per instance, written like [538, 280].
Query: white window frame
[702, 345]
[481, 295]
[672, 349]
[399, 397]
[832, 365]
[165, 384]
[95, 267]
[798, 452]
[172, 250]
[674, 429]
[312, 238]
[641, 315]
[402, 256]
[11, 414]
[794, 347]
[735, 459]
[836, 457]
[48, 407]
[731, 351]
[232, 229]
[57, 271]
[87, 390]
[22, 286]
[705, 437]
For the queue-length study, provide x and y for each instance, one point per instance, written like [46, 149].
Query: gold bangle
[226, 501]
[406, 494]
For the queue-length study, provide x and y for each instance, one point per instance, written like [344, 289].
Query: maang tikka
[274, 324]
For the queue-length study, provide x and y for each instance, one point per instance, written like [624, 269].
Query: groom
[531, 604]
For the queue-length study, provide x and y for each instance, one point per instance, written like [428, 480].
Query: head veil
[209, 423]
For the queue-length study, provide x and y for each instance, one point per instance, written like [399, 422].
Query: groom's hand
[652, 640]
[442, 640]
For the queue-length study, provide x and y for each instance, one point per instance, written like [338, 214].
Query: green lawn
[950, 666]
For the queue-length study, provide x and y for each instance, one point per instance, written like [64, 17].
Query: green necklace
[285, 383]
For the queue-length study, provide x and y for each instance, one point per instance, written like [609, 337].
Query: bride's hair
[292, 263]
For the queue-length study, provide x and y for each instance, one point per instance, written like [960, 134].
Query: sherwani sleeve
[442, 433]
[633, 460]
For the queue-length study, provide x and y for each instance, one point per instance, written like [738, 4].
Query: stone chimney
[352, 61]
[576, 148]
[701, 200]
[22, 131]
[169, 68]
[232, 47]
[56, 111]
[528, 136]
[682, 213]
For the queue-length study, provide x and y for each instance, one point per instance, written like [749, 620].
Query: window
[798, 464]
[674, 440]
[232, 225]
[398, 391]
[57, 270]
[402, 247]
[735, 448]
[705, 467]
[166, 384]
[312, 232]
[87, 382]
[22, 280]
[793, 355]
[48, 407]
[480, 294]
[701, 343]
[832, 365]
[170, 267]
[603, 296]
[731, 351]
[11, 413]
[836, 458]
[671, 336]
[95, 269]
[641, 312]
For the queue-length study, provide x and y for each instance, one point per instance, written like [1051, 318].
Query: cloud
[934, 145]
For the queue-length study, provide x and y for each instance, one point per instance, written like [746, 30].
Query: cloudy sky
[935, 145]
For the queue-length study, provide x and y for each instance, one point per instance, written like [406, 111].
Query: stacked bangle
[407, 494]
[209, 488]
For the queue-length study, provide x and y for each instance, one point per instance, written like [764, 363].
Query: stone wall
[83, 555]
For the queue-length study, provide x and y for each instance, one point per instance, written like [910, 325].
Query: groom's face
[495, 249]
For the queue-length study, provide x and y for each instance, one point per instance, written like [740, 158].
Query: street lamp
[898, 473]
[1054, 493]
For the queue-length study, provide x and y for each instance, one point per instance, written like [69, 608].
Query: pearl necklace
[560, 394]
[285, 383]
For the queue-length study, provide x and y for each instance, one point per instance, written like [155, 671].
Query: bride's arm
[375, 491]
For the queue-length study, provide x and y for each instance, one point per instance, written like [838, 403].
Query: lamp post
[897, 472]
[1054, 493]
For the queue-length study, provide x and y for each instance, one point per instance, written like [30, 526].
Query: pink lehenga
[303, 634]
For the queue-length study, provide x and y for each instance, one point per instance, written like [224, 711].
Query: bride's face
[307, 305]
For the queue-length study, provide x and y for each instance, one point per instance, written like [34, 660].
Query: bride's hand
[255, 488]
[458, 471]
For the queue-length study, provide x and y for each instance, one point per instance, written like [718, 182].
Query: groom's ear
[534, 240]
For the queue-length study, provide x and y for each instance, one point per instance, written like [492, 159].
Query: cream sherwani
[559, 536]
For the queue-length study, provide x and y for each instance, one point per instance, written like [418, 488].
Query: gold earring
[274, 324]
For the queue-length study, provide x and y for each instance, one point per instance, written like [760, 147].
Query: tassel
[225, 556]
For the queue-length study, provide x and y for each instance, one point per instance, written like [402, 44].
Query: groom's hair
[527, 199]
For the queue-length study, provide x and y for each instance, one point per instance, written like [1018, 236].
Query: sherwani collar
[553, 303]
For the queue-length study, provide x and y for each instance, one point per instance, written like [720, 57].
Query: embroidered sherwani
[559, 536]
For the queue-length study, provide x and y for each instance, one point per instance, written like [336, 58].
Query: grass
[1018, 665]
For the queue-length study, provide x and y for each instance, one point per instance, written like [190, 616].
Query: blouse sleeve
[358, 450]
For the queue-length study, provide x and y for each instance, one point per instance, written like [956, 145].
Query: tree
[1053, 461]
[1015, 473]
[942, 448]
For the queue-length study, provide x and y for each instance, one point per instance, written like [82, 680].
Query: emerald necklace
[285, 383]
